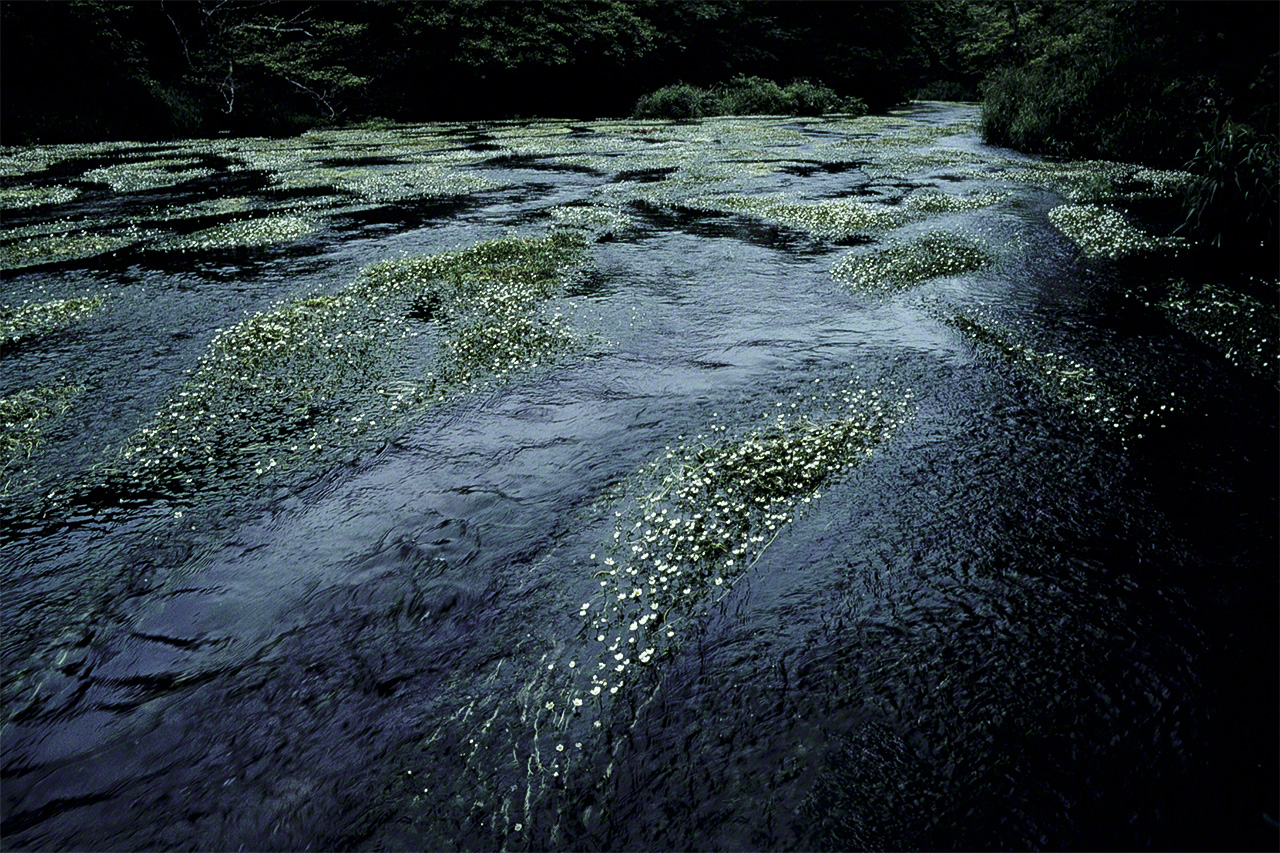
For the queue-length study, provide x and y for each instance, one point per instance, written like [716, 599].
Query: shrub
[680, 101]
[745, 96]
[1232, 201]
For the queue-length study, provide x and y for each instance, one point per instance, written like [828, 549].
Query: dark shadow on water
[716, 224]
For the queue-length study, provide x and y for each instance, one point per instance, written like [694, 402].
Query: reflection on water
[1037, 609]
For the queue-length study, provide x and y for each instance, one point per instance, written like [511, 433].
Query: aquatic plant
[38, 318]
[709, 509]
[1096, 180]
[830, 219]
[23, 416]
[1105, 232]
[933, 201]
[35, 196]
[1237, 325]
[262, 231]
[905, 265]
[68, 244]
[148, 175]
[597, 221]
[287, 382]
[1075, 384]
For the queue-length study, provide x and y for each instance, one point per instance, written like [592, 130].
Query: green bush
[680, 101]
[1232, 202]
[745, 96]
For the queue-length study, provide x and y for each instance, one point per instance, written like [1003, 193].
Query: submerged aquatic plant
[307, 373]
[1074, 384]
[1239, 326]
[24, 419]
[1105, 232]
[34, 196]
[38, 318]
[595, 220]
[262, 231]
[905, 265]
[709, 510]
[68, 244]
[148, 174]
[830, 219]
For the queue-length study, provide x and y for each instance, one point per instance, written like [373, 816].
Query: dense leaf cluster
[105, 70]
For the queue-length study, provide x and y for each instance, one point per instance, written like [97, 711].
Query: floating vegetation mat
[148, 175]
[1239, 326]
[32, 196]
[596, 221]
[68, 245]
[1070, 382]
[246, 233]
[24, 419]
[905, 265]
[704, 513]
[388, 184]
[38, 318]
[689, 525]
[832, 219]
[1096, 180]
[1105, 232]
[209, 207]
[836, 219]
[287, 382]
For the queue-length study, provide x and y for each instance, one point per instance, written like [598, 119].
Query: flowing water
[836, 499]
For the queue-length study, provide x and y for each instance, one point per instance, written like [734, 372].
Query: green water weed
[904, 265]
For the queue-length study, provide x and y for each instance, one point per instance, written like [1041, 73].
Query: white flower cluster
[262, 231]
[68, 245]
[148, 174]
[904, 265]
[1105, 232]
[830, 219]
[1237, 325]
[712, 506]
[595, 220]
[34, 196]
[1098, 180]
[38, 318]
[283, 383]
[1065, 379]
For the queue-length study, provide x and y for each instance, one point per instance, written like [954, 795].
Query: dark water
[1011, 625]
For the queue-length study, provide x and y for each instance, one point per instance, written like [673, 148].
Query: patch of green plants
[744, 96]
[1233, 200]
[1074, 384]
[1099, 181]
[33, 196]
[1105, 232]
[24, 419]
[707, 510]
[30, 319]
[246, 233]
[147, 175]
[319, 372]
[1239, 326]
[933, 201]
[597, 220]
[69, 244]
[904, 265]
[830, 219]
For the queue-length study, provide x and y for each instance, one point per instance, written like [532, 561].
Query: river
[738, 484]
